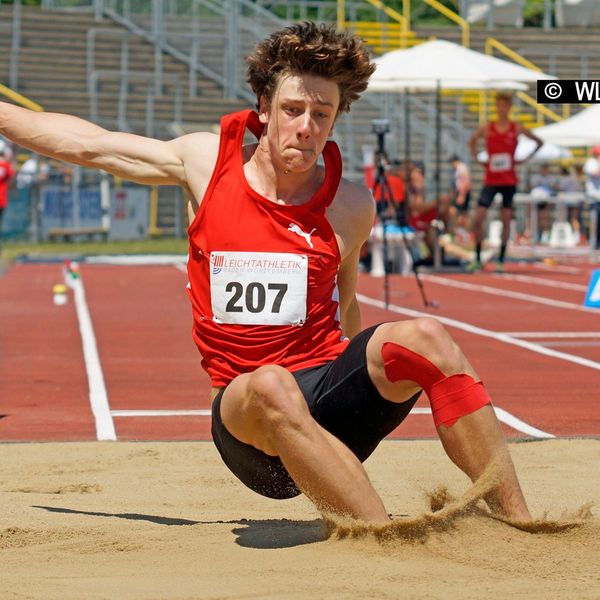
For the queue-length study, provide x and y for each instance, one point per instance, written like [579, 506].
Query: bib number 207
[254, 297]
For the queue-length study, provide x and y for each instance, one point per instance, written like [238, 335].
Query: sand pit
[167, 521]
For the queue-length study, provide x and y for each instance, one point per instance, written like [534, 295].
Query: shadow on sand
[251, 533]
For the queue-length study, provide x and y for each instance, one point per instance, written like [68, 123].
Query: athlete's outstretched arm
[74, 140]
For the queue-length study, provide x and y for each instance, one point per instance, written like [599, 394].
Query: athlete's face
[503, 107]
[299, 120]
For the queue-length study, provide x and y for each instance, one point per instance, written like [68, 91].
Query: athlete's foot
[499, 267]
[473, 266]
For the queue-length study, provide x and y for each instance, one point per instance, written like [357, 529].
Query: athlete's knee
[273, 397]
[437, 365]
[430, 339]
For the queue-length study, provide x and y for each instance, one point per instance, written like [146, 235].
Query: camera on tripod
[380, 126]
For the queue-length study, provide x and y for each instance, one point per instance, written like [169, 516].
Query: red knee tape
[456, 396]
[400, 363]
[450, 397]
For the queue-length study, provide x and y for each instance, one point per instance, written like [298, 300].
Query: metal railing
[553, 55]
[176, 27]
[455, 18]
[311, 10]
[494, 14]
[71, 5]
[124, 76]
[124, 79]
[12, 30]
[542, 111]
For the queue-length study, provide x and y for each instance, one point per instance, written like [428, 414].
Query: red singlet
[501, 147]
[6, 172]
[262, 275]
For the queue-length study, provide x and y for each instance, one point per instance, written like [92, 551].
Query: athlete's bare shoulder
[198, 152]
[351, 214]
[197, 148]
[355, 198]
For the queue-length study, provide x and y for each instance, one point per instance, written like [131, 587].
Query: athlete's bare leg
[266, 409]
[480, 213]
[506, 216]
[475, 440]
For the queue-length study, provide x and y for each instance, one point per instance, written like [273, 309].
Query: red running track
[142, 321]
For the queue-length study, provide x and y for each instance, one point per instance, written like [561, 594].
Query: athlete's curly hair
[311, 49]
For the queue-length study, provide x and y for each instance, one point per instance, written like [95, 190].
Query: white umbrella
[582, 129]
[445, 65]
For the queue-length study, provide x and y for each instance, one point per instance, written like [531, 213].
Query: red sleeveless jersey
[501, 147]
[262, 275]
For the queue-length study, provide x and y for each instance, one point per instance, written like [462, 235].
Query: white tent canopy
[582, 129]
[449, 66]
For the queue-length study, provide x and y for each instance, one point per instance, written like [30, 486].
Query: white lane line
[161, 413]
[553, 334]
[502, 415]
[181, 267]
[138, 259]
[501, 337]
[564, 285]
[512, 421]
[505, 417]
[565, 344]
[557, 268]
[105, 428]
[486, 289]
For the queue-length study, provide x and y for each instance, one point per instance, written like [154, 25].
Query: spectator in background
[572, 181]
[32, 171]
[543, 185]
[591, 168]
[544, 182]
[460, 199]
[389, 200]
[416, 188]
[421, 213]
[6, 174]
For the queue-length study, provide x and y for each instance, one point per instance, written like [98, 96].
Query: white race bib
[500, 162]
[258, 288]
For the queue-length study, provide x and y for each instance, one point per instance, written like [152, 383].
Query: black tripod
[390, 211]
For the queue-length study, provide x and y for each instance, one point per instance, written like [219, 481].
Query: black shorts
[489, 192]
[464, 207]
[341, 397]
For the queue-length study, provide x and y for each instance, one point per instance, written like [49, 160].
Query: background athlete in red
[6, 174]
[501, 138]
